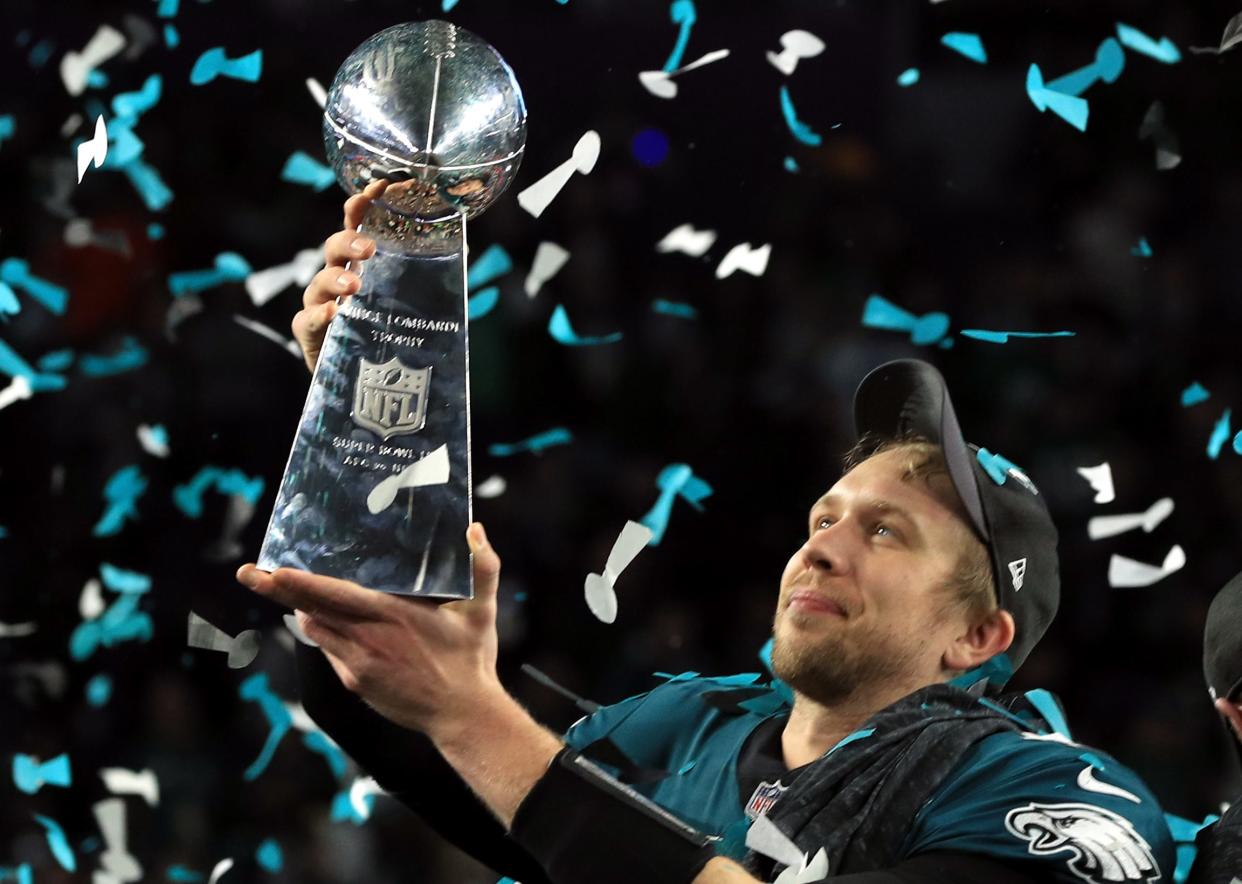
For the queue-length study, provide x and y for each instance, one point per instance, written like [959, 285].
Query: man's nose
[828, 549]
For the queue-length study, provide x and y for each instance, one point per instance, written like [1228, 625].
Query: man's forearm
[501, 752]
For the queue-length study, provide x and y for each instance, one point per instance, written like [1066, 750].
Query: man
[1219, 859]
[928, 572]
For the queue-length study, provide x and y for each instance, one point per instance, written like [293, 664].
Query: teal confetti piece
[214, 63]
[850, 738]
[22, 874]
[4, 532]
[97, 80]
[120, 580]
[30, 775]
[256, 690]
[563, 333]
[797, 128]
[879, 312]
[1142, 250]
[58, 843]
[41, 52]
[121, 622]
[683, 15]
[302, 168]
[996, 466]
[167, 8]
[1107, 65]
[228, 267]
[132, 355]
[124, 147]
[172, 39]
[132, 105]
[1092, 759]
[908, 77]
[8, 125]
[57, 360]
[1047, 707]
[8, 300]
[99, 690]
[269, 856]
[674, 308]
[1194, 394]
[189, 497]
[493, 263]
[1136, 40]
[146, 180]
[183, 874]
[791, 165]
[447, 5]
[675, 480]
[236, 482]
[13, 365]
[482, 303]
[1071, 108]
[318, 742]
[16, 273]
[121, 492]
[968, 45]
[535, 444]
[343, 809]
[1220, 435]
[155, 231]
[1237, 443]
[1002, 337]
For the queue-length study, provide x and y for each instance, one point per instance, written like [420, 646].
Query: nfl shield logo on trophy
[390, 399]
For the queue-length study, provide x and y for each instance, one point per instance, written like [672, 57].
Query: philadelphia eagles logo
[1104, 847]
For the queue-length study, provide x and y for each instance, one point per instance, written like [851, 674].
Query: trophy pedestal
[377, 488]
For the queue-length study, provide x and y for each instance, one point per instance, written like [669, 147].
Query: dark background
[954, 195]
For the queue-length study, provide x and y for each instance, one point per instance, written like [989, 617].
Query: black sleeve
[954, 868]
[408, 766]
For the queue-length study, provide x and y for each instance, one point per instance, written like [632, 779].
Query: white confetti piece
[684, 238]
[220, 869]
[287, 344]
[18, 630]
[263, 285]
[241, 649]
[122, 781]
[93, 151]
[1125, 573]
[299, 718]
[90, 602]
[601, 596]
[536, 198]
[116, 859]
[493, 486]
[795, 45]
[315, 88]
[743, 257]
[358, 792]
[153, 441]
[549, 259]
[75, 67]
[18, 388]
[432, 469]
[1100, 527]
[1101, 479]
[660, 83]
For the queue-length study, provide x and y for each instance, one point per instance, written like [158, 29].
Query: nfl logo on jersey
[763, 798]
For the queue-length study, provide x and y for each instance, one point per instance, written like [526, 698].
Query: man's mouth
[808, 601]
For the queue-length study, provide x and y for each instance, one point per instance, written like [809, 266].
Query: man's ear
[1233, 712]
[980, 642]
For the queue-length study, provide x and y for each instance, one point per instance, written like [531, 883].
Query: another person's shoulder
[1045, 800]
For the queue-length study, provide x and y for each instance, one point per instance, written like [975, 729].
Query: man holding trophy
[927, 574]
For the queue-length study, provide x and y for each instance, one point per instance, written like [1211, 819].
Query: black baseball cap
[1007, 512]
[1222, 649]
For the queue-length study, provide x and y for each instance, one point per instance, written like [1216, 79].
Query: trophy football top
[434, 109]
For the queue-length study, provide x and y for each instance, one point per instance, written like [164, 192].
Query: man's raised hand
[342, 250]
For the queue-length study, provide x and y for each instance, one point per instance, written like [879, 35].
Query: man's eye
[882, 530]
[823, 523]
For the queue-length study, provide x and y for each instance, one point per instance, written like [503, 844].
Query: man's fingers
[329, 284]
[314, 592]
[345, 246]
[356, 205]
[486, 562]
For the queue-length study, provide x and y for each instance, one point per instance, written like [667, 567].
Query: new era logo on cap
[1017, 570]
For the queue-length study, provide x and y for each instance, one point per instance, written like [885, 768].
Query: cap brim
[910, 396]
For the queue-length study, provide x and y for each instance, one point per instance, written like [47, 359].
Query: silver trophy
[377, 488]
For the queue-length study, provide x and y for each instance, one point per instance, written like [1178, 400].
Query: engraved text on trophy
[390, 399]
